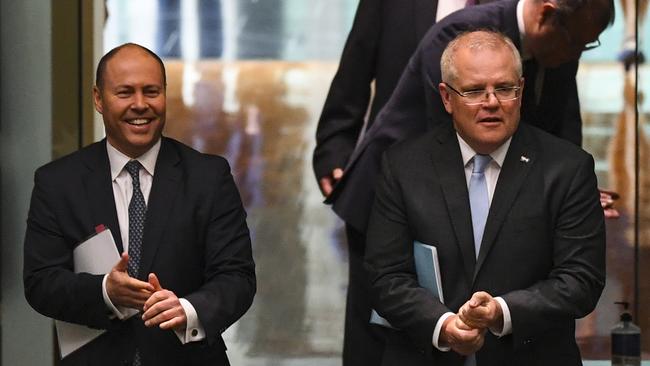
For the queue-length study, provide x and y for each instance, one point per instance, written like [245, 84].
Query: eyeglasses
[591, 45]
[476, 97]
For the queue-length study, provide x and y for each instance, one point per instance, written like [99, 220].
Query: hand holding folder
[97, 255]
[427, 269]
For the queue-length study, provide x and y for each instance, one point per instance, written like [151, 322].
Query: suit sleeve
[51, 286]
[229, 273]
[415, 104]
[571, 123]
[343, 114]
[396, 294]
[405, 113]
[577, 278]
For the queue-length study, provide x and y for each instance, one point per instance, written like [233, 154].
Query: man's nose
[139, 102]
[491, 99]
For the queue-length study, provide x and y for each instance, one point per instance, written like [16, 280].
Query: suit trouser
[363, 344]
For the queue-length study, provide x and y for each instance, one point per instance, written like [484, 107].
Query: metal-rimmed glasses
[476, 97]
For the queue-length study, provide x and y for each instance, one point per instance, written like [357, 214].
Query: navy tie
[479, 200]
[137, 214]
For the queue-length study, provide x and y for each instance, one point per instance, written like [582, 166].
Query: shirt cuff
[193, 331]
[507, 320]
[121, 312]
[438, 329]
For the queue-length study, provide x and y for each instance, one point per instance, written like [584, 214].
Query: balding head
[101, 66]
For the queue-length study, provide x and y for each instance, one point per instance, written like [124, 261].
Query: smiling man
[186, 271]
[514, 214]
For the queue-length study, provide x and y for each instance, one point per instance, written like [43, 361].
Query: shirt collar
[525, 55]
[498, 155]
[118, 160]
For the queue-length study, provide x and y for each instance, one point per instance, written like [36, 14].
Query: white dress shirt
[525, 54]
[446, 7]
[122, 192]
[491, 177]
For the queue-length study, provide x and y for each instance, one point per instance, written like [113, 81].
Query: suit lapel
[166, 184]
[424, 13]
[99, 190]
[519, 160]
[448, 164]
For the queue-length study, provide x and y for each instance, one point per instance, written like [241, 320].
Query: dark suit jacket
[195, 240]
[543, 248]
[415, 106]
[382, 39]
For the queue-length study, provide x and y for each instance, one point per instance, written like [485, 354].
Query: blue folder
[427, 269]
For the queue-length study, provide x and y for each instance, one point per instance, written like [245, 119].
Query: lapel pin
[524, 159]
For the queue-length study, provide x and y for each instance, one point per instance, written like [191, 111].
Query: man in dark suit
[513, 212]
[549, 34]
[382, 39]
[186, 268]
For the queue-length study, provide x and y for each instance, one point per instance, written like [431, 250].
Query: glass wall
[615, 132]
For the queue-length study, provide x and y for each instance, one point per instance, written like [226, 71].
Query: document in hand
[427, 269]
[97, 255]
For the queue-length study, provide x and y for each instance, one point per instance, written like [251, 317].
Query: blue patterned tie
[137, 214]
[479, 200]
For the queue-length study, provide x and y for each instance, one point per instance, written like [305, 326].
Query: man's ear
[540, 19]
[97, 100]
[547, 16]
[445, 96]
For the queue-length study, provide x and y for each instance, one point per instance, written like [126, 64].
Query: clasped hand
[160, 307]
[464, 332]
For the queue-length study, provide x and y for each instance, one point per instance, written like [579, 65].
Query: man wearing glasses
[549, 34]
[513, 213]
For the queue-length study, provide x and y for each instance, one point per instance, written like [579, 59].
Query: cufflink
[194, 332]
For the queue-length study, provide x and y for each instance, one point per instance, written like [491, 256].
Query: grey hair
[483, 39]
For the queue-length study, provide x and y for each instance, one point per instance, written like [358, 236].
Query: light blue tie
[479, 203]
[479, 200]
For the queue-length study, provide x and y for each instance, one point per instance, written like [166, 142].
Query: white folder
[96, 255]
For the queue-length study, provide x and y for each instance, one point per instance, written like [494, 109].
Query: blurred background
[247, 80]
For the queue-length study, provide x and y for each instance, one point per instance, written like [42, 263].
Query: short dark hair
[101, 66]
[606, 14]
